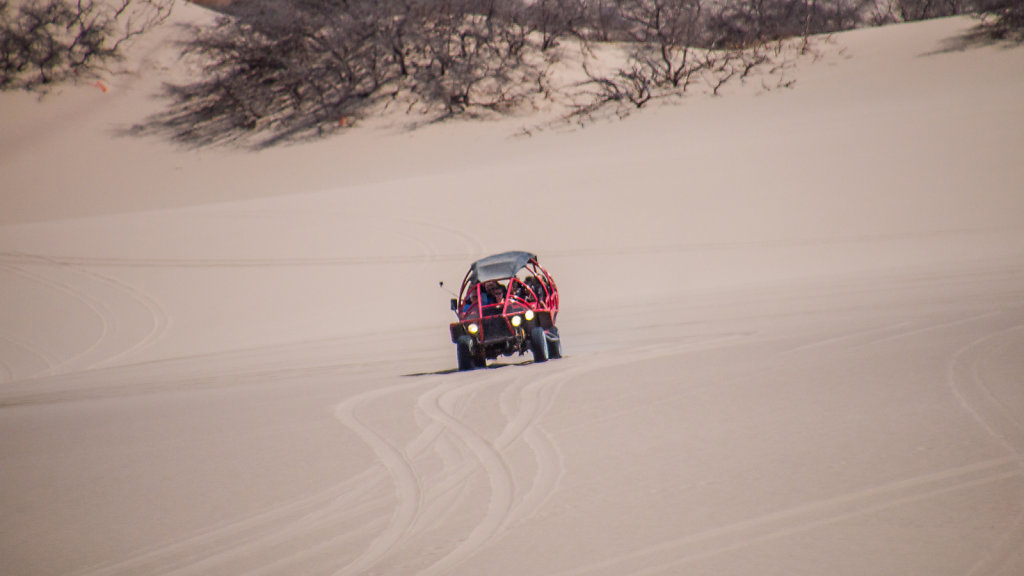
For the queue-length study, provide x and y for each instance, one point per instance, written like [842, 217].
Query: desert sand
[793, 323]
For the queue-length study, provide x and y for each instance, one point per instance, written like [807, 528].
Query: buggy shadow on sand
[507, 304]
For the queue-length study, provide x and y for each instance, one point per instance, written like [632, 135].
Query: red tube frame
[550, 301]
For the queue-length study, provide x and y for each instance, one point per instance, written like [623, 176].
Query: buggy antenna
[441, 285]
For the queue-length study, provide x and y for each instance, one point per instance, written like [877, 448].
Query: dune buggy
[507, 305]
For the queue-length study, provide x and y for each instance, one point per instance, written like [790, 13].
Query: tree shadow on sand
[251, 93]
[987, 33]
[278, 72]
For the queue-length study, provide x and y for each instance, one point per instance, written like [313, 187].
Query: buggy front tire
[538, 344]
[554, 344]
[464, 353]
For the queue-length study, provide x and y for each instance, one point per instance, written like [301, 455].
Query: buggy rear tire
[538, 344]
[464, 353]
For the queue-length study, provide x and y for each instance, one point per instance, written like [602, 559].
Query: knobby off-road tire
[554, 344]
[538, 344]
[464, 353]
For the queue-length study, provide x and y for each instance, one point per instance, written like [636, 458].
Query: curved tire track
[157, 317]
[406, 482]
[968, 387]
[93, 305]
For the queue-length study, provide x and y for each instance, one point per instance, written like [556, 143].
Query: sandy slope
[794, 323]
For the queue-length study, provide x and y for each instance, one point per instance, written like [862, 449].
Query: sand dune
[793, 320]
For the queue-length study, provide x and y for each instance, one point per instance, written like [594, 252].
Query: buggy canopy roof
[499, 266]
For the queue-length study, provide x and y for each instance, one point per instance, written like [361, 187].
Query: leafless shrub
[732, 65]
[601, 21]
[278, 70]
[471, 56]
[43, 42]
[556, 19]
[671, 45]
[286, 69]
[662, 37]
[744, 23]
[664, 34]
[913, 10]
[632, 86]
[1002, 19]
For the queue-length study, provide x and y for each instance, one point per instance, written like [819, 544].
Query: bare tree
[664, 34]
[283, 69]
[664, 39]
[43, 42]
[630, 86]
[280, 70]
[468, 54]
[746, 23]
[913, 10]
[556, 19]
[675, 43]
[286, 69]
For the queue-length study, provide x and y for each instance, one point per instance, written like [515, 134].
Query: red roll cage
[530, 288]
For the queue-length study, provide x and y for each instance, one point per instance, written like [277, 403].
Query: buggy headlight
[517, 320]
[472, 328]
[529, 315]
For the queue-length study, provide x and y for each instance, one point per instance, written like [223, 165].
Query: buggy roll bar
[470, 292]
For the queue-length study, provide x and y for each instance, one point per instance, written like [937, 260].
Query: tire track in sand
[340, 517]
[107, 321]
[439, 405]
[967, 384]
[669, 556]
[44, 356]
[331, 520]
[202, 551]
[403, 474]
[157, 318]
[523, 402]
[968, 387]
